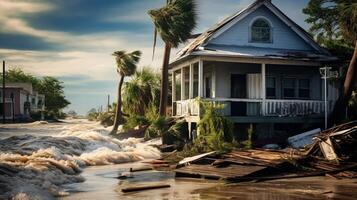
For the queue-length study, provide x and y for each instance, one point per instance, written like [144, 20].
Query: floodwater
[78, 160]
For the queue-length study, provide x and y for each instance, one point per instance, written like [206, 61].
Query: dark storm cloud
[86, 16]
[27, 42]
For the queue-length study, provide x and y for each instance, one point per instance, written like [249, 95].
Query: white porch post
[182, 83]
[214, 82]
[200, 78]
[191, 81]
[173, 87]
[263, 91]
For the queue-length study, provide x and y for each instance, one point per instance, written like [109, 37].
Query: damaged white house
[260, 64]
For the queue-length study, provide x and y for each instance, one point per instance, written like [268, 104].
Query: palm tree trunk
[165, 80]
[340, 107]
[350, 76]
[118, 113]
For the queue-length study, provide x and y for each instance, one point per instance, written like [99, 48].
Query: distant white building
[21, 100]
[260, 64]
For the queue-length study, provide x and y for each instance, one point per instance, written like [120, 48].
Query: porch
[249, 89]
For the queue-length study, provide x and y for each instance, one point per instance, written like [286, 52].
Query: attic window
[261, 31]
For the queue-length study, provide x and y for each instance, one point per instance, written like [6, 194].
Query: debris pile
[329, 153]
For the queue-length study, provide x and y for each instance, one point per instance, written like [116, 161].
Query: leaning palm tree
[175, 23]
[126, 66]
[348, 27]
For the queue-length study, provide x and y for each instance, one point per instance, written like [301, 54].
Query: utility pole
[108, 105]
[3, 92]
[327, 73]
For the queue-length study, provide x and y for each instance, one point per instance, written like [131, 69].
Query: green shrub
[216, 131]
[106, 118]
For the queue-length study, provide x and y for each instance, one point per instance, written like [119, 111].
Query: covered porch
[249, 88]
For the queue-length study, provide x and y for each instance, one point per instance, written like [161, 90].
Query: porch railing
[293, 107]
[253, 107]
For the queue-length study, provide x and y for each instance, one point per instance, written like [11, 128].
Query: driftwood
[141, 188]
[140, 169]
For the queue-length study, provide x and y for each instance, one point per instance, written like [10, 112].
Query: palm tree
[126, 66]
[348, 26]
[175, 23]
[140, 92]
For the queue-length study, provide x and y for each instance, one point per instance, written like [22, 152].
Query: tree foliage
[175, 21]
[140, 91]
[52, 88]
[333, 19]
[334, 23]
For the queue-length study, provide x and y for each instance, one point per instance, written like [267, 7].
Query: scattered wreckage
[328, 153]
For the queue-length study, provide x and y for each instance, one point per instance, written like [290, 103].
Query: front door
[239, 91]
[208, 88]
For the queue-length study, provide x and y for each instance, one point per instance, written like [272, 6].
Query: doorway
[239, 91]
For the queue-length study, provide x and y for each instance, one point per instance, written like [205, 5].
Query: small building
[261, 65]
[20, 101]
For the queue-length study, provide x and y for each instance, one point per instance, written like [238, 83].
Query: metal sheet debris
[303, 139]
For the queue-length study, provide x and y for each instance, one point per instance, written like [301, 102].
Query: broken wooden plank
[139, 169]
[194, 158]
[141, 188]
[291, 176]
[211, 172]
[328, 150]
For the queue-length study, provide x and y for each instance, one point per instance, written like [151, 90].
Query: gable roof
[197, 46]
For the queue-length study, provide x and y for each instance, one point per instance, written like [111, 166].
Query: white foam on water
[49, 162]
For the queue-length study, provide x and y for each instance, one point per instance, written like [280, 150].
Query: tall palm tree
[175, 23]
[126, 66]
[348, 26]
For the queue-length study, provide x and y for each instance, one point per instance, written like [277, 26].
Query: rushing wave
[47, 162]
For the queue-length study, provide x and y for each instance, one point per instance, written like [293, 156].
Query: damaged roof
[200, 45]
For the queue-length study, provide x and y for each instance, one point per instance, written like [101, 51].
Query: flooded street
[78, 160]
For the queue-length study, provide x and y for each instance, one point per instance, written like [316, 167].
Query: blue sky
[73, 40]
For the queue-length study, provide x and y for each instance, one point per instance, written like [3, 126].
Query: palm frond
[175, 21]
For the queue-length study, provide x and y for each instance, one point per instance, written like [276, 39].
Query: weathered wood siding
[283, 36]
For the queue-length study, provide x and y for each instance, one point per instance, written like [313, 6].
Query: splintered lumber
[140, 169]
[211, 172]
[141, 188]
[195, 158]
[244, 163]
[290, 176]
